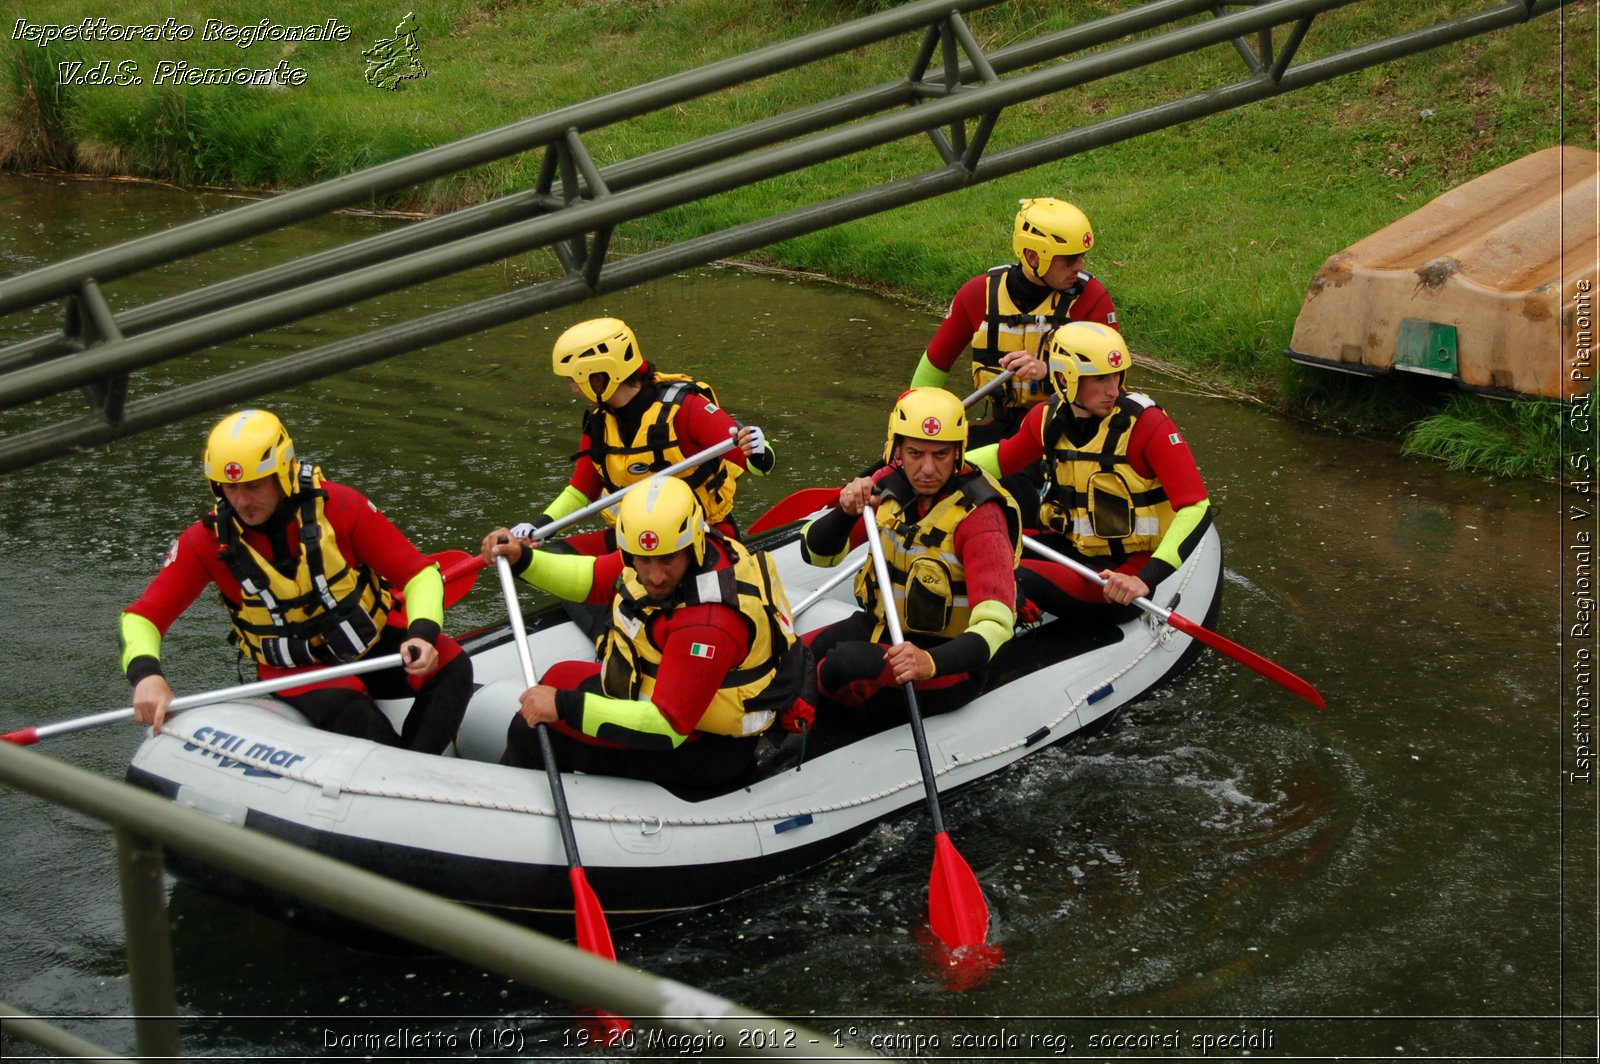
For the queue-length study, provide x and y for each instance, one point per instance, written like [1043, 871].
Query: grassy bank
[1207, 233]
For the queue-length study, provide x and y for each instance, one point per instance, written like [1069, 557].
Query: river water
[1385, 878]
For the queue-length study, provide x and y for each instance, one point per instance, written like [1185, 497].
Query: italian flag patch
[1174, 439]
[702, 650]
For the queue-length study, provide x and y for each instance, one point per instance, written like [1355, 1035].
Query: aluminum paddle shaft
[29, 736]
[560, 524]
[1276, 673]
[460, 571]
[989, 387]
[845, 572]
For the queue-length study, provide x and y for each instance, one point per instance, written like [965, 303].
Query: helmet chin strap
[624, 393]
[280, 518]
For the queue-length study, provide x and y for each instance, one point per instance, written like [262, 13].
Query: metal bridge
[575, 205]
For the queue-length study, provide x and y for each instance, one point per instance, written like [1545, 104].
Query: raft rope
[1161, 634]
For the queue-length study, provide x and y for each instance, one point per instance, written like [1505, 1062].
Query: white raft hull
[482, 833]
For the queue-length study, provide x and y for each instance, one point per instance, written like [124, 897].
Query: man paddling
[641, 421]
[951, 537]
[308, 571]
[1007, 314]
[698, 661]
[1123, 494]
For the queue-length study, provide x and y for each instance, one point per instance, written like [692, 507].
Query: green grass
[1508, 439]
[1207, 233]
[35, 110]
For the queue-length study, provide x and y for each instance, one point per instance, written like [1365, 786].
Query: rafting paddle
[543, 533]
[594, 936]
[1276, 673]
[802, 503]
[956, 909]
[29, 736]
[460, 574]
[844, 573]
[987, 388]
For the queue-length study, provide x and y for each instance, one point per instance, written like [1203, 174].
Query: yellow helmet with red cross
[250, 445]
[1050, 227]
[1084, 349]
[932, 415]
[661, 516]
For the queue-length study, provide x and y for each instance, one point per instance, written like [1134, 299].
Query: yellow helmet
[1050, 227]
[250, 445]
[930, 414]
[600, 345]
[1084, 349]
[661, 516]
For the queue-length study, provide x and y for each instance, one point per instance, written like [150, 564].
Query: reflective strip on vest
[1143, 527]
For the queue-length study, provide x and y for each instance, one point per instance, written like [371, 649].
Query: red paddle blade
[956, 909]
[460, 571]
[802, 503]
[960, 970]
[1249, 658]
[594, 936]
[606, 1030]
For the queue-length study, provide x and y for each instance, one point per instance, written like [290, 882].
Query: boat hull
[468, 828]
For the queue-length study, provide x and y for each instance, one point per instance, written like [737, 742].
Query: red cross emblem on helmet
[648, 541]
[1088, 241]
[233, 471]
[931, 426]
[1114, 359]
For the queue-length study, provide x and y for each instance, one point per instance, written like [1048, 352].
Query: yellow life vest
[773, 674]
[326, 612]
[925, 573]
[1007, 327]
[1094, 497]
[655, 445]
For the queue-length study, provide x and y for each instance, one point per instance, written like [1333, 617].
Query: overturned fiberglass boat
[470, 829]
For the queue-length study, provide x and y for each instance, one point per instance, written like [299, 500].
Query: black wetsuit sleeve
[827, 537]
[967, 652]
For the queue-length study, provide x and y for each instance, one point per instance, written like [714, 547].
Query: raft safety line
[1160, 637]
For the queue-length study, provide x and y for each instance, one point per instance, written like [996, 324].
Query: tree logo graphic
[393, 60]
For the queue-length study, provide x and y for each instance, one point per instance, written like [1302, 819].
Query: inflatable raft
[467, 828]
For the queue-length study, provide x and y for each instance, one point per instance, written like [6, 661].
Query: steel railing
[143, 823]
[575, 205]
